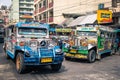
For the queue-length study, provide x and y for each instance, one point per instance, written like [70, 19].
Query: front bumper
[43, 61]
[79, 56]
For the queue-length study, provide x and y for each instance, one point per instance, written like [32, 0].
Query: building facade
[21, 10]
[116, 12]
[56, 11]
[51, 11]
[4, 15]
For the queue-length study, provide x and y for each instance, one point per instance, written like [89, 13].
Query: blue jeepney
[28, 43]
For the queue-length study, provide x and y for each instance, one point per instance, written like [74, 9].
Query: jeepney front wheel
[20, 67]
[92, 56]
[56, 67]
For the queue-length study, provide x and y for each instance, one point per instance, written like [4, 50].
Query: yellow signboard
[104, 16]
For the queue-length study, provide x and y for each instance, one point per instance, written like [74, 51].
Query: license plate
[73, 51]
[68, 54]
[46, 60]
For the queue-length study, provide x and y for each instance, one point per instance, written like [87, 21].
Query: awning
[76, 21]
[82, 20]
[66, 21]
[89, 19]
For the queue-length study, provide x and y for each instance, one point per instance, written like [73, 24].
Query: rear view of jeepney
[32, 47]
[83, 46]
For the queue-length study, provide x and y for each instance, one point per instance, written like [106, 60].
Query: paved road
[106, 69]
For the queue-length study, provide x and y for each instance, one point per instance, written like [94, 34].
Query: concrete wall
[64, 6]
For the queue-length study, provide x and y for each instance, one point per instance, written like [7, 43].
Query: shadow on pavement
[44, 70]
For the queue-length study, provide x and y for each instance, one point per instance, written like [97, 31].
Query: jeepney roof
[107, 29]
[87, 28]
[32, 25]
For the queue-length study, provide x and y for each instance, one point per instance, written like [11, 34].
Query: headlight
[66, 45]
[27, 54]
[58, 50]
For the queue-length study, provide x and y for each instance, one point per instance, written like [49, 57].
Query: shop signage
[104, 16]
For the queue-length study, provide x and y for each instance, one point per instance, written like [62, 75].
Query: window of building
[21, 4]
[21, 0]
[28, 5]
[118, 1]
[51, 13]
[114, 3]
[44, 3]
[29, 0]
[40, 17]
[40, 5]
[44, 15]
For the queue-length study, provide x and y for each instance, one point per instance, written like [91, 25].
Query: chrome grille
[46, 52]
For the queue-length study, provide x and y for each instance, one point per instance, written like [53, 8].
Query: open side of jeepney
[29, 45]
[90, 43]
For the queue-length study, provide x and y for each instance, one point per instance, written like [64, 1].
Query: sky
[5, 2]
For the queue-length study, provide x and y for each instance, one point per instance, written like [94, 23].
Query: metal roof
[82, 20]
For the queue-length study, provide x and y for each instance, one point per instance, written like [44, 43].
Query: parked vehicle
[90, 43]
[28, 44]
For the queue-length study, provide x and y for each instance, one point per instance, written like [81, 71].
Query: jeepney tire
[113, 52]
[91, 56]
[20, 66]
[56, 67]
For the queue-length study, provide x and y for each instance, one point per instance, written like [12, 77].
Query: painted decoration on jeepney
[87, 29]
[63, 30]
[104, 16]
[58, 30]
[30, 25]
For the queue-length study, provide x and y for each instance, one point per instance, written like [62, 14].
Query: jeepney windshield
[86, 33]
[35, 31]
